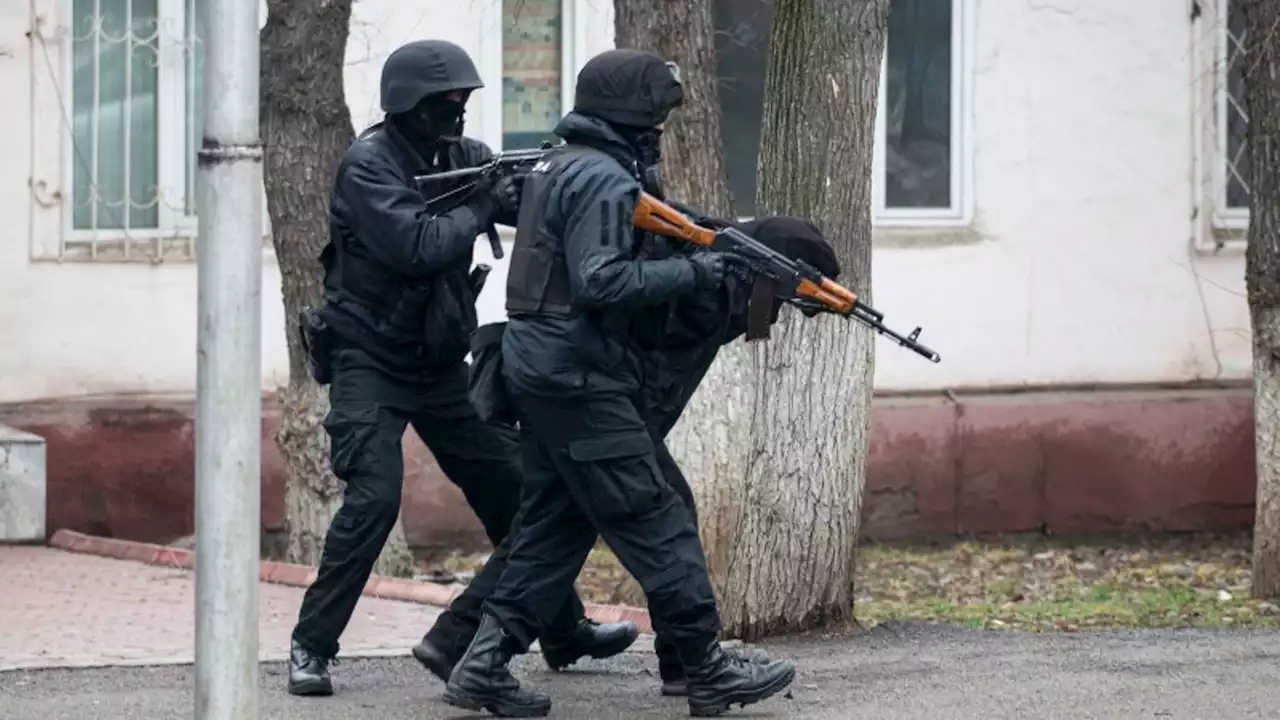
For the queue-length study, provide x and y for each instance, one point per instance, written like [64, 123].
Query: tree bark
[1262, 278]
[693, 153]
[791, 565]
[707, 442]
[306, 129]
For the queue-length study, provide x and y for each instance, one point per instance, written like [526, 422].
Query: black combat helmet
[425, 67]
[628, 87]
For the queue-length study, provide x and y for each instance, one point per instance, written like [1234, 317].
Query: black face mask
[434, 122]
[648, 144]
[652, 182]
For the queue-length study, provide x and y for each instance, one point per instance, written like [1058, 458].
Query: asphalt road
[901, 671]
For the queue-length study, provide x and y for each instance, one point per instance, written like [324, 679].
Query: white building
[1055, 198]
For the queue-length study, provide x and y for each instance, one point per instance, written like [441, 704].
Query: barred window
[1221, 152]
[136, 114]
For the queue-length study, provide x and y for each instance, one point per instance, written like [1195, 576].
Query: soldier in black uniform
[392, 338]
[678, 343]
[575, 287]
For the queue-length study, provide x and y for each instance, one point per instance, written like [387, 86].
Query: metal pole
[229, 368]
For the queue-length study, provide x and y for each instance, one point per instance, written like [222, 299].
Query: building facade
[1059, 201]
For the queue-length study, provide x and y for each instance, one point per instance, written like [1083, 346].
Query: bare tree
[791, 565]
[693, 153]
[775, 439]
[694, 173]
[306, 129]
[1262, 277]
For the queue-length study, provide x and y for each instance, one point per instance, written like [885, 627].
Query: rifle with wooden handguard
[794, 281]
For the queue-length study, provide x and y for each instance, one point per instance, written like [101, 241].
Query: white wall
[1083, 181]
[1077, 267]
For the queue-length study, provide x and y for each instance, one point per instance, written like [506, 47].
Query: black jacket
[590, 350]
[396, 274]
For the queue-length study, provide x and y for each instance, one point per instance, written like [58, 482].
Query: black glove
[736, 267]
[501, 195]
[507, 192]
[709, 268]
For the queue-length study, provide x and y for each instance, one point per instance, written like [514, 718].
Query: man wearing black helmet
[399, 312]
[578, 281]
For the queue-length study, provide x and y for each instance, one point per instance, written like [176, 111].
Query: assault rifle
[503, 163]
[796, 282]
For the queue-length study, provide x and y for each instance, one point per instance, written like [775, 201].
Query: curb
[387, 588]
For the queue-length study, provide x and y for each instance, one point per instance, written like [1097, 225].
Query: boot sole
[315, 688]
[497, 707]
[722, 705]
[559, 662]
[432, 662]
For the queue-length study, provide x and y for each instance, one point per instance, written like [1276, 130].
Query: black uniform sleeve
[598, 206]
[394, 225]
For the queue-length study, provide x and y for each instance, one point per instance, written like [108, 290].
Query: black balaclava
[796, 238]
[647, 142]
[435, 122]
[634, 91]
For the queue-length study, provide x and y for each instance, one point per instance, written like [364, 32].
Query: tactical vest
[538, 277]
[429, 319]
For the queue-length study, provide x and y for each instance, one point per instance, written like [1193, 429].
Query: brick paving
[64, 609]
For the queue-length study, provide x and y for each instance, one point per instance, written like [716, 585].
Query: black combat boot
[588, 638]
[674, 682]
[308, 673]
[481, 679]
[444, 644]
[437, 658]
[718, 679]
[671, 672]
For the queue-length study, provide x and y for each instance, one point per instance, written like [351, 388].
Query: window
[532, 71]
[1234, 163]
[918, 159]
[1221, 158]
[136, 110]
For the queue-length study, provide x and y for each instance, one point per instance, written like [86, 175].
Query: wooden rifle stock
[658, 217]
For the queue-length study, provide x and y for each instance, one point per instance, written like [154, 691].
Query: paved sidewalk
[62, 609]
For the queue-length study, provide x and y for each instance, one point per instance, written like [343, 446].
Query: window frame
[960, 211]
[573, 36]
[171, 164]
[1228, 218]
[1216, 225]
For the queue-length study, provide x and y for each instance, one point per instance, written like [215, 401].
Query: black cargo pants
[591, 468]
[486, 580]
[369, 411]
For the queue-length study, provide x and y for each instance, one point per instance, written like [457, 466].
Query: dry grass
[1020, 583]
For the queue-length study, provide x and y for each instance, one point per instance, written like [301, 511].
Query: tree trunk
[693, 171]
[791, 566]
[1262, 277]
[306, 129]
[693, 154]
